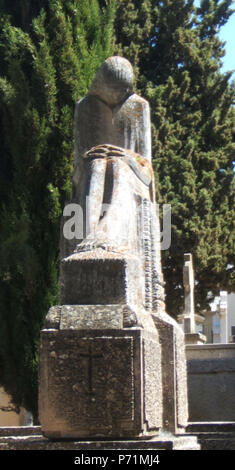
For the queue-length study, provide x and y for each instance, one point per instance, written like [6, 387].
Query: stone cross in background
[188, 279]
[189, 315]
[223, 307]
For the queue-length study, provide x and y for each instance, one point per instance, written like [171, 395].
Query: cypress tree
[178, 56]
[49, 52]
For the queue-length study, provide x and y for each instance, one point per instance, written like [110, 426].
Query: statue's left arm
[144, 126]
[132, 121]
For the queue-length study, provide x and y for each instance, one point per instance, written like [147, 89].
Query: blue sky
[227, 33]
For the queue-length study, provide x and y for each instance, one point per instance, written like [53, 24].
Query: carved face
[113, 82]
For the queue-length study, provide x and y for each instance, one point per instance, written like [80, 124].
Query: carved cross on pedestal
[188, 279]
[90, 356]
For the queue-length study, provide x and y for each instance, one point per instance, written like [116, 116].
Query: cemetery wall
[211, 382]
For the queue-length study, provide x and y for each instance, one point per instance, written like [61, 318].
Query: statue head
[113, 82]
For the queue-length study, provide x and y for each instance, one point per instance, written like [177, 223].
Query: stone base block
[101, 277]
[100, 383]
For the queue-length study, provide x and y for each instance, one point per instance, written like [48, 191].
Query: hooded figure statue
[113, 181]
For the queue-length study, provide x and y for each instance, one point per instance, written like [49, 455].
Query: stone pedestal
[103, 382]
[112, 366]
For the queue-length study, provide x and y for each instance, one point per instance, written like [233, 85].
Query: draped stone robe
[114, 184]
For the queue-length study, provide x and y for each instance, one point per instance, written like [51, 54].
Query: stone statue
[112, 362]
[113, 148]
[113, 180]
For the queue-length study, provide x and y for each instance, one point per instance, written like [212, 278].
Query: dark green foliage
[177, 56]
[49, 52]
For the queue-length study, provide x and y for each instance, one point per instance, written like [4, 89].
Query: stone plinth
[31, 438]
[99, 383]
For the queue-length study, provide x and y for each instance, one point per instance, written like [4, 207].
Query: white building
[219, 325]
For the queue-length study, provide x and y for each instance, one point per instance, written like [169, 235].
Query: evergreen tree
[49, 52]
[178, 56]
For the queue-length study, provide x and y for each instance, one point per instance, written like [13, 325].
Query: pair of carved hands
[141, 167]
[109, 151]
[105, 150]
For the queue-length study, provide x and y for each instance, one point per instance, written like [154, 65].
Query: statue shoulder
[137, 108]
[137, 101]
[90, 104]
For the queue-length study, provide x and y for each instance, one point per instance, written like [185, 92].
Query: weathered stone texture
[174, 373]
[153, 405]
